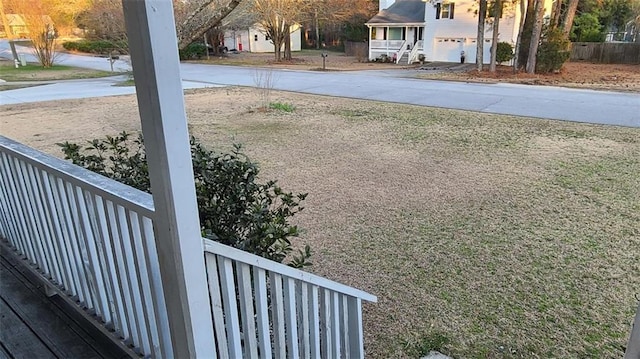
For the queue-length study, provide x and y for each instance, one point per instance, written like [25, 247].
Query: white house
[19, 28]
[440, 30]
[254, 39]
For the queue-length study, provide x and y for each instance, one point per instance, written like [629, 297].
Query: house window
[444, 10]
[421, 33]
[378, 33]
[395, 33]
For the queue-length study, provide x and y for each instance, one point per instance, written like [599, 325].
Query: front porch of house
[403, 44]
[37, 324]
[91, 241]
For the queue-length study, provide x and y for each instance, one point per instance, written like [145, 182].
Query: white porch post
[387, 39]
[406, 39]
[154, 55]
[370, 40]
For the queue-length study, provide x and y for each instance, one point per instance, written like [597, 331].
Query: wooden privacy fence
[93, 239]
[357, 49]
[606, 52]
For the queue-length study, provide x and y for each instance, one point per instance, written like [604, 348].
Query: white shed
[254, 39]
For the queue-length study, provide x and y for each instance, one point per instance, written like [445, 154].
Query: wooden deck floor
[33, 325]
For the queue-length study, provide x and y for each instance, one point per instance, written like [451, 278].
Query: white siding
[255, 40]
[446, 38]
[384, 4]
[237, 39]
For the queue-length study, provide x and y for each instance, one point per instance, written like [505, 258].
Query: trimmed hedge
[193, 51]
[103, 47]
[504, 52]
[553, 52]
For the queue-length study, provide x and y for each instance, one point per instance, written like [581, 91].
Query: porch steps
[404, 59]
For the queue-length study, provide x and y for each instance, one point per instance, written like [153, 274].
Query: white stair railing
[401, 51]
[413, 56]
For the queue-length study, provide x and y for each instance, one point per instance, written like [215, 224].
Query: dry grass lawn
[35, 72]
[484, 236]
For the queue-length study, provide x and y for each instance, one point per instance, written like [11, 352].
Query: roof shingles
[401, 12]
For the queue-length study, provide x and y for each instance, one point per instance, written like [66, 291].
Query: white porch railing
[378, 44]
[393, 45]
[282, 310]
[93, 239]
[413, 55]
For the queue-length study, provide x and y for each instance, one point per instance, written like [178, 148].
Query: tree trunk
[497, 6]
[316, 24]
[526, 34]
[567, 22]
[516, 52]
[482, 13]
[535, 36]
[203, 18]
[278, 40]
[277, 45]
[287, 43]
[555, 14]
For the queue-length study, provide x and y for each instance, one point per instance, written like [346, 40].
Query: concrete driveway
[611, 108]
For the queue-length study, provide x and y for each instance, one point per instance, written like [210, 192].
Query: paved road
[393, 86]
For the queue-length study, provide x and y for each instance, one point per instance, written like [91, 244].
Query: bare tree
[276, 18]
[7, 30]
[569, 14]
[516, 55]
[65, 13]
[193, 18]
[497, 13]
[525, 34]
[40, 27]
[104, 20]
[204, 15]
[482, 15]
[555, 14]
[535, 36]
[322, 13]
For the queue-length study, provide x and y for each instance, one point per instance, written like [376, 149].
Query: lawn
[482, 235]
[35, 72]
[307, 59]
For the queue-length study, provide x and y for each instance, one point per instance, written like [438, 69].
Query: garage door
[470, 48]
[448, 49]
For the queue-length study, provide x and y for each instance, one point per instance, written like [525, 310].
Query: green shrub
[587, 28]
[553, 51]
[504, 52]
[193, 51]
[285, 107]
[103, 47]
[234, 208]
